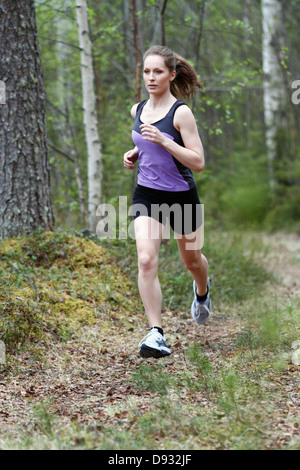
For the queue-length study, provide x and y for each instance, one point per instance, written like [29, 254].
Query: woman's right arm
[133, 110]
[131, 156]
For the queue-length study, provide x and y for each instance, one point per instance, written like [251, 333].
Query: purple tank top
[158, 169]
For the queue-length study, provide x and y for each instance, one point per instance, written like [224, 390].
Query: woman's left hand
[152, 134]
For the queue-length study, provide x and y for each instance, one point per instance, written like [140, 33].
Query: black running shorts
[182, 208]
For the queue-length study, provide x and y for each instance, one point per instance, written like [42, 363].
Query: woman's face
[157, 76]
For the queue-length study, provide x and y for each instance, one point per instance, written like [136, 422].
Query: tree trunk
[25, 195]
[162, 21]
[138, 58]
[66, 132]
[201, 13]
[159, 33]
[90, 114]
[127, 36]
[274, 82]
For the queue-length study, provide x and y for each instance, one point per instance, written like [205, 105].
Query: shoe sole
[146, 352]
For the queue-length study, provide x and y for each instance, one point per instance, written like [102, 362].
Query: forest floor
[222, 387]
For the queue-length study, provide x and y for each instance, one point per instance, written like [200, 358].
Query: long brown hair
[186, 79]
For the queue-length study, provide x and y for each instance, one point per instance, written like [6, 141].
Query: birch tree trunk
[66, 131]
[25, 194]
[90, 114]
[274, 82]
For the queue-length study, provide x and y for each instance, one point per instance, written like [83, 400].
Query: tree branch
[61, 152]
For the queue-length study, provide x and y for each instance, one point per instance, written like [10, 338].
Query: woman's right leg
[148, 234]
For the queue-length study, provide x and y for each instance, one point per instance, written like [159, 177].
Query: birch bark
[90, 114]
[274, 82]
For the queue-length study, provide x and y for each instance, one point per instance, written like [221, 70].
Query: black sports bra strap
[176, 106]
[140, 105]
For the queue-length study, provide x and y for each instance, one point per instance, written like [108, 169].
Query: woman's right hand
[130, 158]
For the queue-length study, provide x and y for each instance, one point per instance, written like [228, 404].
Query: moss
[55, 281]
[10, 246]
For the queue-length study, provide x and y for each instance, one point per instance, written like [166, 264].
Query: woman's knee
[147, 262]
[192, 264]
[193, 261]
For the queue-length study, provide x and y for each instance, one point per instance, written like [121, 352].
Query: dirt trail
[284, 262]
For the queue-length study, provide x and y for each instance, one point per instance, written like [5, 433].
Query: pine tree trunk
[25, 194]
[90, 114]
[274, 82]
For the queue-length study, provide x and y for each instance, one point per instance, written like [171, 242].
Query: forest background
[223, 40]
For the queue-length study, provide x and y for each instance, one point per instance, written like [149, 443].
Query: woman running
[168, 148]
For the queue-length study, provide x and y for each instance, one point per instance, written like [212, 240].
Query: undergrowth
[52, 283]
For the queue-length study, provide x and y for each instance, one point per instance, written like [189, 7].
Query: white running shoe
[200, 310]
[154, 345]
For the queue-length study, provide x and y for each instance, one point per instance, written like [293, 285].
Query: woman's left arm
[192, 154]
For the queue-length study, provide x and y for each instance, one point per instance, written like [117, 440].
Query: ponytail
[186, 79]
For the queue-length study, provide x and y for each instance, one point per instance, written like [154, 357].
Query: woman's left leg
[193, 259]
[196, 263]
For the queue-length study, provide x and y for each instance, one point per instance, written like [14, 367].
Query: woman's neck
[160, 102]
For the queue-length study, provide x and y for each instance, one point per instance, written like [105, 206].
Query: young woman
[168, 147]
